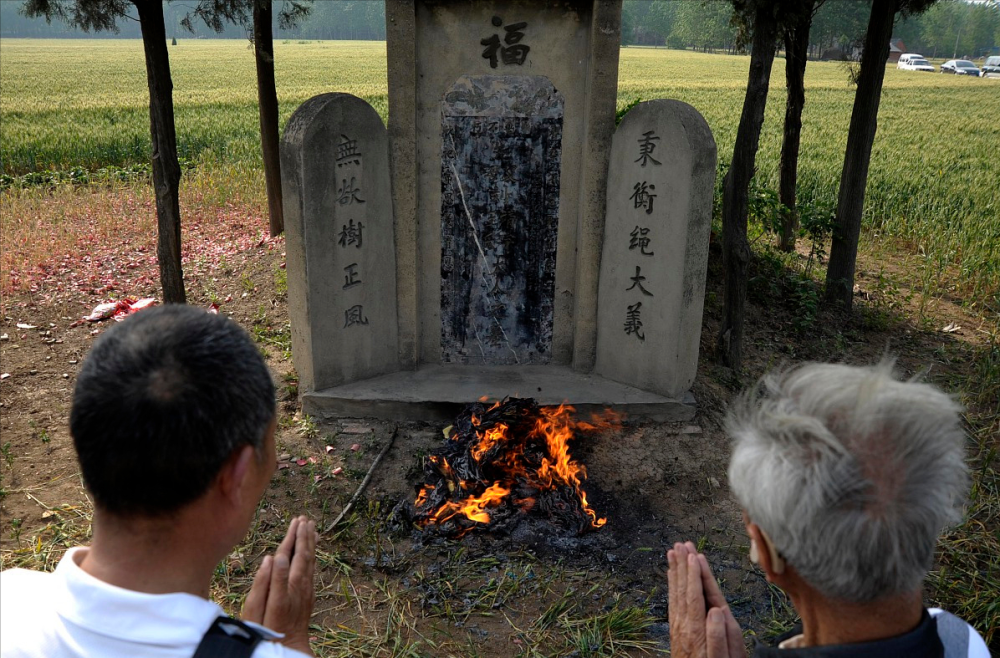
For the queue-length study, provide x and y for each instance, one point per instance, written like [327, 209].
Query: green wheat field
[933, 186]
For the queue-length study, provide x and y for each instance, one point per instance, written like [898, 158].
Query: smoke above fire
[502, 461]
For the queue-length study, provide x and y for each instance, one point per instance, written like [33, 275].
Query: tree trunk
[796, 53]
[267, 102]
[860, 137]
[735, 193]
[166, 170]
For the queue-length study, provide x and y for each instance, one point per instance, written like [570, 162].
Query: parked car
[917, 64]
[991, 67]
[907, 62]
[960, 67]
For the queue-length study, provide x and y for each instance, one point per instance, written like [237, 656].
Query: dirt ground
[386, 589]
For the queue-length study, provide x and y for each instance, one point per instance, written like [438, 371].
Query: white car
[916, 64]
[904, 60]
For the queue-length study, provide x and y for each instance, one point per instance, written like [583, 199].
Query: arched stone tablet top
[696, 129]
[503, 95]
[303, 126]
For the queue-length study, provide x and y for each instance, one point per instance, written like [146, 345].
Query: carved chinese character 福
[514, 52]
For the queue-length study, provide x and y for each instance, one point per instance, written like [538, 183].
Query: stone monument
[501, 116]
[656, 232]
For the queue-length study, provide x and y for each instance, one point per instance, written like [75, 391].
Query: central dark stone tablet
[501, 156]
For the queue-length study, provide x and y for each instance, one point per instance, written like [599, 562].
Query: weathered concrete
[438, 392]
[340, 248]
[400, 35]
[433, 43]
[659, 216]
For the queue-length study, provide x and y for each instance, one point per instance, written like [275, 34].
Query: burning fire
[505, 460]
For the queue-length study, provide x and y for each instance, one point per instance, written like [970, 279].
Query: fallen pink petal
[337, 471]
[355, 447]
[329, 449]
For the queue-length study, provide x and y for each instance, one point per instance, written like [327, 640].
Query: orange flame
[472, 507]
[554, 427]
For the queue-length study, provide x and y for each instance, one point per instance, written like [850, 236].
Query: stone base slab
[436, 392]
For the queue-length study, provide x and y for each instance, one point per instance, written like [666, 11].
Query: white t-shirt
[70, 614]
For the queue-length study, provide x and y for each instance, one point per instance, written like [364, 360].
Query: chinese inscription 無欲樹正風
[347, 193]
[354, 316]
[347, 152]
[514, 52]
[351, 276]
[351, 233]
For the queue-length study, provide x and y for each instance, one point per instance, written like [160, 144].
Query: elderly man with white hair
[846, 476]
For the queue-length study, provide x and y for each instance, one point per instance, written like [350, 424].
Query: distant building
[896, 48]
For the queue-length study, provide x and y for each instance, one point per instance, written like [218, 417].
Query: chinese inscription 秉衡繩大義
[638, 239]
[643, 196]
[514, 52]
[637, 281]
[633, 321]
[646, 147]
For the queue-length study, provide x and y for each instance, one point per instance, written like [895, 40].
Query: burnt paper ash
[503, 463]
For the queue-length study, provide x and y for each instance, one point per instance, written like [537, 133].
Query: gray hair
[852, 473]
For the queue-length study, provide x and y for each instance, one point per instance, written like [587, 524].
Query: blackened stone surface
[500, 165]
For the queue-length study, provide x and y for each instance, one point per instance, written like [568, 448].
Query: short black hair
[161, 402]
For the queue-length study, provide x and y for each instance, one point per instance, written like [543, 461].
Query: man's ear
[234, 474]
[763, 552]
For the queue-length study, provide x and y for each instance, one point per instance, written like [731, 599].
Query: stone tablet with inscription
[500, 162]
[655, 256]
[340, 252]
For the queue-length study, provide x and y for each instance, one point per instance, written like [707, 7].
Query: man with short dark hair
[173, 422]
[846, 476]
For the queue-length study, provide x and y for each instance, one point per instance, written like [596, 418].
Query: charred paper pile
[504, 462]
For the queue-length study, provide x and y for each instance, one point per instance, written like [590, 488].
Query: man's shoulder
[957, 636]
[25, 610]
[20, 587]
